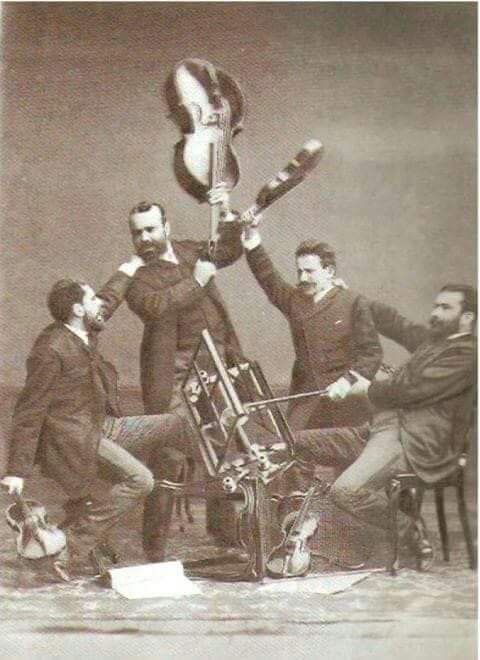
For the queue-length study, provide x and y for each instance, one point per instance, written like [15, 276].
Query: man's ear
[331, 270]
[468, 317]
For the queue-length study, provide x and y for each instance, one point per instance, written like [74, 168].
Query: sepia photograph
[238, 330]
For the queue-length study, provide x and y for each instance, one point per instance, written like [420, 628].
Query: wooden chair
[408, 482]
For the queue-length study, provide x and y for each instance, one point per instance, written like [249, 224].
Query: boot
[157, 515]
[169, 464]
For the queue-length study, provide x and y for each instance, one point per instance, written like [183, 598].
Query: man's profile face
[149, 234]
[312, 276]
[93, 307]
[446, 313]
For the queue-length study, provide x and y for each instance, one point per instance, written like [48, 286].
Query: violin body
[208, 107]
[35, 536]
[292, 557]
[294, 173]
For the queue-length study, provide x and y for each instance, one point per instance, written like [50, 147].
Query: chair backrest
[467, 417]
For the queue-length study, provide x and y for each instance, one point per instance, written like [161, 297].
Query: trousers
[368, 458]
[134, 453]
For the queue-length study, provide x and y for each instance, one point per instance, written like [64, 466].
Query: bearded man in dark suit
[175, 296]
[67, 419]
[423, 413]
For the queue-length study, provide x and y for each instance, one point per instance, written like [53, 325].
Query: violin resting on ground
[35, 536]
[292, 557]
[208, 107]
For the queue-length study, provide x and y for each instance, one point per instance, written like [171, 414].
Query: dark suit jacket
[163, 296]
[330, 337]
[433, 393]
[59, 415]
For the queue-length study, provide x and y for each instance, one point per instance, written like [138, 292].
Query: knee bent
[144, 483]
[342, 495]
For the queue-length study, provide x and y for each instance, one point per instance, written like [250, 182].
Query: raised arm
[229, 246]
[278, 291]
[150, 302]
[444, 378]
[367, 351]
[393, 325]
[114, 291]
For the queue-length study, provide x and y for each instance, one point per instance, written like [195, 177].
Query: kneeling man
[67, 418]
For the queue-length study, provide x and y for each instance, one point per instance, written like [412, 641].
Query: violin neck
[26, 511]
[218, 163]
[214, 209]
[300, 519]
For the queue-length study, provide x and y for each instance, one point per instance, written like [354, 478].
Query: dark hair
[469, 302]
[322, 250]
[63, 295]
[142, 207]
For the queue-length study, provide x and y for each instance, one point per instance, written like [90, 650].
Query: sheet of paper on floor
[317, 584]
[165, 579]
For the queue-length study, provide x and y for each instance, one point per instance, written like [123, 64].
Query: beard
[95, 323]
[151, 251]
[442, 329]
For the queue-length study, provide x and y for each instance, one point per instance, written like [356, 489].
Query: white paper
[322, 584]
[165, 579]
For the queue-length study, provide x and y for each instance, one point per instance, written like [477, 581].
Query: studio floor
[413, 615]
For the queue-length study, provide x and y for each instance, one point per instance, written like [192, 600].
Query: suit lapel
[307, 308]
[429, 351]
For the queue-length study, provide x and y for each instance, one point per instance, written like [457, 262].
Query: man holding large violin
[175, 296]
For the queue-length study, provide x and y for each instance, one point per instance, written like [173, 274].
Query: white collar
[169, 254]
[458, 334]
[321, 294]
[83, 334]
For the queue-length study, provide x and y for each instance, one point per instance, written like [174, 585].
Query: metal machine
[244, 440]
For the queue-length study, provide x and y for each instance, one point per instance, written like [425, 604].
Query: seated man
[67, 419]
[423, 413]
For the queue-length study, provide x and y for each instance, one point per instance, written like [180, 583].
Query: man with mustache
[175, 296]
[423, 411]
[67, 418]
[332, 331]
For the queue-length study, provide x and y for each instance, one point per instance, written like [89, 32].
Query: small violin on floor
[292, 557]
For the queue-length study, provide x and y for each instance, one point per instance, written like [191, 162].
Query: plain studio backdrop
[389, 89]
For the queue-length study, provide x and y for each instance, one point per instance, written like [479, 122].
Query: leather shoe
[103, 557]
[419, 543]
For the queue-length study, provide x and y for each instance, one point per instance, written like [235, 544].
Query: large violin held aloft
[208, 107]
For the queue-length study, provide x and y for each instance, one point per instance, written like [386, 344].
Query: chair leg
[462, 512]
[442, 523]
[416, 494]
[394, 496]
